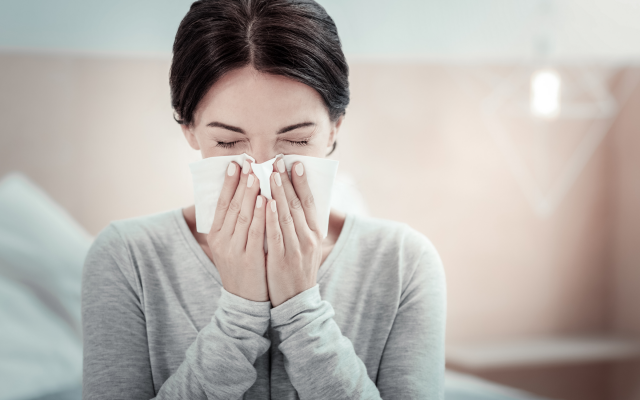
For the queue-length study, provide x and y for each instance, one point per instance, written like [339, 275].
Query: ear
[190, 136]
[333, 135]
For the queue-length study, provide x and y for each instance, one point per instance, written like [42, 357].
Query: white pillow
[42, 251]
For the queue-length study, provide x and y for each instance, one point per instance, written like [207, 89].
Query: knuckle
[286, 219]
[309, 200]
[222, 204]
[211, 240]
[256, 233]
[295, 256]
[308, 241]
[214, 243]
[234, 206]
[243, 219]
[276, 237]
[295, 203]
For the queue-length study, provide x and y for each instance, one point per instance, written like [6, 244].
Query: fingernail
[299, 169]
[280, 165]
[232, 169]
[250, 180]
[278, 180]
[259, 202]
[273, 206]
[245, 167]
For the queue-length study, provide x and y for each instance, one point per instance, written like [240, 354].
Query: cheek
[308, 150]
[210, 148]
[215, 152]
[316, 147]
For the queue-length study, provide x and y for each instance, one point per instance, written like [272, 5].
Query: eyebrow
[296, 126]
[216, 124]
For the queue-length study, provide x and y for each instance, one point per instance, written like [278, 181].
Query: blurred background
[506, 131]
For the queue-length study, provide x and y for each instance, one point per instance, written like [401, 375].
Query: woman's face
[247, 111]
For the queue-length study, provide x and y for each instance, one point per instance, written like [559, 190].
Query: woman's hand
[293, 237]
[236, 238]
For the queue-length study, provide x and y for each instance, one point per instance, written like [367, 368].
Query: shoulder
[116, 244]
[395, 248]
[389, 236]
[137, 232]
[152, 227]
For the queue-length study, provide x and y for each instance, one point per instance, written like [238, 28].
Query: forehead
[244, 95]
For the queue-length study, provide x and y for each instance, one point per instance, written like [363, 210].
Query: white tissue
[208, 177]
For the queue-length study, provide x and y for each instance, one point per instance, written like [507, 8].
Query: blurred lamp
[545, 94]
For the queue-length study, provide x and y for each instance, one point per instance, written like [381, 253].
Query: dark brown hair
[292, 38]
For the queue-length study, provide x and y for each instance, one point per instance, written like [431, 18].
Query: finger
[293, 200]
[226, 194]
[285, 218]
[301, 185]
[255, 241]
[246, 212]
[275, 241]
[235, 205]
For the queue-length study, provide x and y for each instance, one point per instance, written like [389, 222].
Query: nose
[262, 157]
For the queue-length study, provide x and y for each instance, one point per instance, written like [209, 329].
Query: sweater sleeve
[413, 361]
[322, 363]
[116, 364]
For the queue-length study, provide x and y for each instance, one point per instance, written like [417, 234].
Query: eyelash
[228, 145]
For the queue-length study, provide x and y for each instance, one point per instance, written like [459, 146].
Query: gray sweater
[157, 322]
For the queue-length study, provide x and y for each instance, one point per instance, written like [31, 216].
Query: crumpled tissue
[208, 177]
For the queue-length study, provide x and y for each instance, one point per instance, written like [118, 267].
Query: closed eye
[226, 145]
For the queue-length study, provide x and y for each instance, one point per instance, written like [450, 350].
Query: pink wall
[98, 135]
[416, 132]
[624, 262]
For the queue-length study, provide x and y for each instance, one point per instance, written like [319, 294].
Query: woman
[175, 314]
